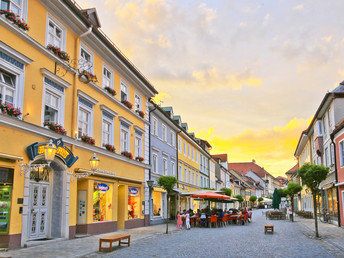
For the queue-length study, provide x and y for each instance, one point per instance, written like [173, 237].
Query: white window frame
[164, 132]
[23, 9]
[105, 66]
[88, 51]
[193, 153]
[180, 172]
[320, 128]
[164, 167]
[111, 136]
[189, 151]
[90, 110]
[332, 153]
[341, 153]
[128, 142]
[185, 148]
[155, 163]
[125, 85]
[197, 183]
[138, 149]
[180, 147]
[61, 95]
[189, 176]
[185, 174]
[155, 126]
[63, 29]
[137, 95]
[327, 162]
[173, 168]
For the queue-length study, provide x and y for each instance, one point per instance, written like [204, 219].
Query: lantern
[94, 162]
[50, 151]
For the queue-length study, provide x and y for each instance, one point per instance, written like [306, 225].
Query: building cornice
[55, 78]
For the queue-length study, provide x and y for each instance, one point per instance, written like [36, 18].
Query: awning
[211, 195]
[266, 200]
[159, 189]
[199, 192]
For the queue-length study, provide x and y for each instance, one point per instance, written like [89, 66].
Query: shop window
[157, 204]
[133, 203]
[7, 87]
[102, 201]
[124, 91]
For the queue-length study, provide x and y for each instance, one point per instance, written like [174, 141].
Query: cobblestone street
[290, 239]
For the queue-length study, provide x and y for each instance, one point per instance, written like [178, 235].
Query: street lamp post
[150, 184]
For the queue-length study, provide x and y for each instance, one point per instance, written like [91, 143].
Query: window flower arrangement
[10, 110]
[86, 77]
[109, 147]
[88, 139]
[140, 113]
[15, 19]
[127, 154]
[58, 52]
[127, 103]
[55, 127]
[110, 91]
[140, 159]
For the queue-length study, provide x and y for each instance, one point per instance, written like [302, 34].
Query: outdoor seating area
[305, 214]
[275, 215]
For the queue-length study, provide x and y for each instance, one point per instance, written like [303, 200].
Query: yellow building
[41, 200]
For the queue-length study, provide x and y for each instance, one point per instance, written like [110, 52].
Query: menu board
[5, 202]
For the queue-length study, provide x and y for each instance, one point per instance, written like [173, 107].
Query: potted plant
[15, 19]
[58, 52]
[109, 147]
[127, 154]
[110, 91]
[55, 127]
[140, 113]
[88, 139]
[10, 110]
[140, 159]
[87, 77]
[127, 104]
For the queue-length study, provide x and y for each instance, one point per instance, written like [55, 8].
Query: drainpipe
[336, 178]
[149, 159]
[177, 157]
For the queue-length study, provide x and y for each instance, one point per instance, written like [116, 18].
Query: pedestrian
[187, 220]
[179, 221]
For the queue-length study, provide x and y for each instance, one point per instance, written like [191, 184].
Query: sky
[245, 75]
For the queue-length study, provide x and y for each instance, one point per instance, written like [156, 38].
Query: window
[185, 175]
[7, 87]
[179, 144]
[107, 77]
[189, 180]
[106, 132]
[173, 172]
[157, 203]
[185, 151]
[193, 178]
[125, 146]
[124, 91]
[102, 198]
[155, 126]
[55, 34]
[52, 103]
[197, 183]
[155, 163]
[172, 138]
[341, 153]
[13, 5]
[134, 202]
[329, 119]
[180, 172]
[193, 154]
[164, 133]
[164, 164]
[325, 125]
[138, 102]
[84, 118]
[138, 145]
[332, 154]
[86, 59]
[189, 151]
[320, 131]
[327, 163]
[196, 156]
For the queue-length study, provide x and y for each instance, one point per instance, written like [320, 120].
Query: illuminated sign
[102, 187]
[133, 191]
[62, 151]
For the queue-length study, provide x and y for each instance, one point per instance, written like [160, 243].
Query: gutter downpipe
[177, 157]
[149, 159]
[336, 177]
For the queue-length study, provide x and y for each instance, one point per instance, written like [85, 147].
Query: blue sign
[133, 191]
[102, 187]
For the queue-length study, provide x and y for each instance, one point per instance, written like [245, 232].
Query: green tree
[292, 189]
[253, 199]
[260, 199]
[227, 191]
[282, 192]
[168, 183]
[276, 199]
[239, 197]
[312, 175]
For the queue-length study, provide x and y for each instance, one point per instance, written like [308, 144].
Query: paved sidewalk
[85, 246]
[331, 236]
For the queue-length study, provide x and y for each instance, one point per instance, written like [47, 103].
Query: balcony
[318, 145]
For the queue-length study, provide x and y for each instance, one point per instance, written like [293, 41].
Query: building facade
[64, 197]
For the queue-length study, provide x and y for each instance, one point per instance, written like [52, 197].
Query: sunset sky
[245, 75]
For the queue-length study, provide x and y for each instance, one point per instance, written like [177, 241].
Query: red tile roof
[222, 157]
[244, 167]
[294, 168]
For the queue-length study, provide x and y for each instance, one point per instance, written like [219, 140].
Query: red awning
[211, 195]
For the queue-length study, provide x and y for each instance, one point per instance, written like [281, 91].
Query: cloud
[298, 7]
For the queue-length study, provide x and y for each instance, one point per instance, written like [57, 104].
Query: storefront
[159, 207]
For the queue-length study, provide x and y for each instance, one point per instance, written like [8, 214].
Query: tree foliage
[260, 199]
[276, 199]
[292, 189]
[239, 197]
[227, 191]
[253, 198]
[167, 182]
[282, 192]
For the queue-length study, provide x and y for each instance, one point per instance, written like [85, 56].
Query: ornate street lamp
[50, 151]
[150, 183]
[94, 162]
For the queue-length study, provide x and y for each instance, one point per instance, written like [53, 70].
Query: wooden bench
[269, 228]
[112, 239]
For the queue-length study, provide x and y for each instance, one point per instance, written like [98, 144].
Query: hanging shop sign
[133, 191]
[62, 151]
[102, 187]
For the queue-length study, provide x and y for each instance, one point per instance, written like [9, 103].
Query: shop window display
[133, 203]
[102, 202]
[157, 204]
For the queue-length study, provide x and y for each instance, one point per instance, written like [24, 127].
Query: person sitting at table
[225, 211]
[203, 219]
[198, 213]
[245, 212]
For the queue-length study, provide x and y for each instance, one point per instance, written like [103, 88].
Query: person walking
[179, 221]
[187, 220]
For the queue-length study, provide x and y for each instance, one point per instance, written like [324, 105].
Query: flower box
[127, 103]
[109, 147]
[87, 77]
[58, 52]
[127, 154]
[10, 110]
[139, 159]
[55, 127]
[110, 91]
[140, 113]
[15, 19]
[88, 139]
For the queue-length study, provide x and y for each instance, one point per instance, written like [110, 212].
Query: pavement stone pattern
[289, 240]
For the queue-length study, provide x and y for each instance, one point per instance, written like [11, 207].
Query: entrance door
[38, 210]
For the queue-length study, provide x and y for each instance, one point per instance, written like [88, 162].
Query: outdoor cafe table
[234, 217]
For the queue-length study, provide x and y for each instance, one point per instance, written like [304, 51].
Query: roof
[244, 167]
[222, 157]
